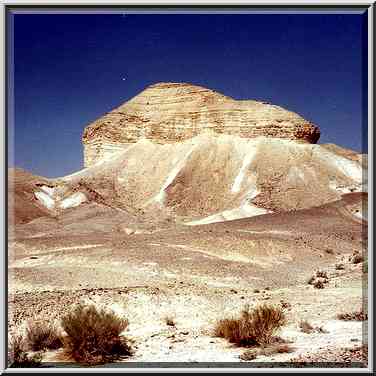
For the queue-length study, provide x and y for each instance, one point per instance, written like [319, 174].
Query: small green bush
[253, 327]
[93, 335]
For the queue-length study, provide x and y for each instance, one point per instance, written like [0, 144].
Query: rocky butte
[195, 156]
[174, 112]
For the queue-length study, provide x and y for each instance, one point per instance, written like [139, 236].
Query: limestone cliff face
[174, 112]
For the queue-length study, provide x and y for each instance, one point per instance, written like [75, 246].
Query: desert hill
[24, 201]
[211, 178]
[202, 177]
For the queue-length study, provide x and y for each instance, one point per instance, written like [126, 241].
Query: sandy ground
[194, 287]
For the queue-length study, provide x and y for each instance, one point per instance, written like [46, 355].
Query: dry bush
[285, 305]
[357, 258]
[306, 327]
[19, 358]
[93, 335]
[318, 279]
[42, 335]
[353, 316]
[321, 274]
[318, 284]
[340, 266]
[253, 327]
[170, 321]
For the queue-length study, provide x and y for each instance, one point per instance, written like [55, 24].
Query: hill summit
[175, 112]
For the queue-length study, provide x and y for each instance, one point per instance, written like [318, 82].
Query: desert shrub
[340, 266]
[318, 284]
[318, 279]
[19, 358]
[306, 327]
[256, 291]
[353, 316]
[93, 335]
[285, 305]
[357, 258]
[41, 335]
[321, 274]
[253, 327]
[170, 321]
[318, 274]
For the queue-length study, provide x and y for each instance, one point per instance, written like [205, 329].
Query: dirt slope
[23, 205]
[210, 178]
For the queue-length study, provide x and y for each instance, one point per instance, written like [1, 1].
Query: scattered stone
[249, 355]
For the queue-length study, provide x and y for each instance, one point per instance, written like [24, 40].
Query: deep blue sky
[69, 70]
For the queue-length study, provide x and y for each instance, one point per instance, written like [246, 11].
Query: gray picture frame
[7, 8]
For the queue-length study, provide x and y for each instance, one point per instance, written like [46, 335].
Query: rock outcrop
[174, 112]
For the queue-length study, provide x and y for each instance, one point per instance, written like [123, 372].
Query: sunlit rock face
[174, 112]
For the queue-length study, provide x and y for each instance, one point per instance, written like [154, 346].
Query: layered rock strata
[174, 112]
